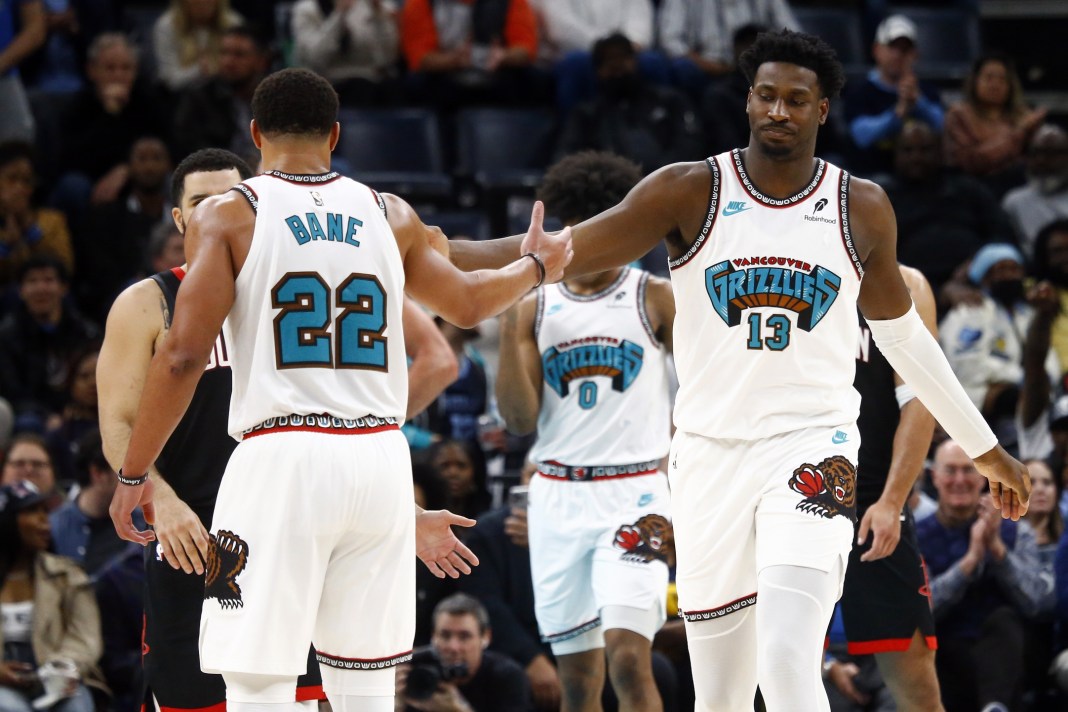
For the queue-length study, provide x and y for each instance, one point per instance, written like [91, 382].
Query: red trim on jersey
[178, 272]
[318, 429]
[310, 692]
[602, 477]
[218, 707]
[888, 645]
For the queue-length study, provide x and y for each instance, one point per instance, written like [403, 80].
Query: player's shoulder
[866, 194]
[225, 211]
[138, 308]
[913, 278]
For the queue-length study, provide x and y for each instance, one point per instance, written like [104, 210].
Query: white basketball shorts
[314, 541]
[739, 506]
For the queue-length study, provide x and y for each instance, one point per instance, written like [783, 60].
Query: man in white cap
[877, 108]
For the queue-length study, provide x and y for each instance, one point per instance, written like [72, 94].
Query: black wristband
[131, 481]
[541, 268]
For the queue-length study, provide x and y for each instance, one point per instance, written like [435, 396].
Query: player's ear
[176, 215]
[254, 130]
[335, 134]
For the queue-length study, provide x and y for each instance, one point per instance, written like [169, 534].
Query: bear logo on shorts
[648, 539]
[227, 557]
[830, 488]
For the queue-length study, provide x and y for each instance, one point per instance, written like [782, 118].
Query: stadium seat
[505, 149]
[395, 151]
[840, 28]
[948, 40]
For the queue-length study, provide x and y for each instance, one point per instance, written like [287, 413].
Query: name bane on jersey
[339, 228]
[619, 360]
[789, 284]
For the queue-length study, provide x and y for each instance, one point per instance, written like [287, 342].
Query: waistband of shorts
[596, 473]
[322, 424]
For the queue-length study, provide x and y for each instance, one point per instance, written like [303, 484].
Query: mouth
[777, 131]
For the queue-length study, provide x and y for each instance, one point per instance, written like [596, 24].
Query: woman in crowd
[187, 39]
[48, 610]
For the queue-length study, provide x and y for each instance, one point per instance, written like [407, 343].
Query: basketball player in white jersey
[313, 532]
[768, 246]
[585, 361]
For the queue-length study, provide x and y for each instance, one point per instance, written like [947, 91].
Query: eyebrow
[791, 90]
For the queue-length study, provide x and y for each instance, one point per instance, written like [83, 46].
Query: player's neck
[593, 283]
[296, 157]
[779, 176]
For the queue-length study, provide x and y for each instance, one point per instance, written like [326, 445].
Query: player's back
[315, 328]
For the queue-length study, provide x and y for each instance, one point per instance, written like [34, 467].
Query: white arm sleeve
[917, 358]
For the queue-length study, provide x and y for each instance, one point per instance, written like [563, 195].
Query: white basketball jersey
[766, 325]
[316, 325]
[604, 398]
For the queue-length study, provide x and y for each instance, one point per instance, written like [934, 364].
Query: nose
[777, 110]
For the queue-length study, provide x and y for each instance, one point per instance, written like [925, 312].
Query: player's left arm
[914, 354]
[911, 442]
[203, 302]
[660, 306]
[433, 365]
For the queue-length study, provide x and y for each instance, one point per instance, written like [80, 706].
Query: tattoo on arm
[166, 313]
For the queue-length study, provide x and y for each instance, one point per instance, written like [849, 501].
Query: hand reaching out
[437, 546]
[554, 250]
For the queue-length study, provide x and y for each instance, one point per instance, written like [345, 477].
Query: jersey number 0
[302, 334]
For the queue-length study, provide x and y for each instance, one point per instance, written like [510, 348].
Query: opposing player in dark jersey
[195, 456]
[886, 604]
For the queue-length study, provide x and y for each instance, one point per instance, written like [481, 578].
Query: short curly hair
[799, 48]
[583, 184]
[295, 102]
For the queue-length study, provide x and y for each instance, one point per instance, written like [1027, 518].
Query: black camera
[428, 671]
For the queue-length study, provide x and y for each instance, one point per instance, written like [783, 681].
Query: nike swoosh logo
[727, 212]
[839, 438]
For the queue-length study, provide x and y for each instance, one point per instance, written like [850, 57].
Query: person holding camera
[456, 673]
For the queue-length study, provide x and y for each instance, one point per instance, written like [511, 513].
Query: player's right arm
[467, 298]
[669, 202]
[519, 378]
[138, 319]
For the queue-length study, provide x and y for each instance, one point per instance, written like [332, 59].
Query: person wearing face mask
[984, 341]
[1045, 196]
[650, 124]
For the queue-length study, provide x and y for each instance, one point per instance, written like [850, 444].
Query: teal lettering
[314, 227]
[350, 233]
[333, 227]
[297, 228]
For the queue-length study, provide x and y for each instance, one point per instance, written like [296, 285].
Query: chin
[777, 150]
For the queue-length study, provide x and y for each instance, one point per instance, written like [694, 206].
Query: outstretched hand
[125, 500]
[1010, 482]
[554, 250]
[183, 540]
[437, 546]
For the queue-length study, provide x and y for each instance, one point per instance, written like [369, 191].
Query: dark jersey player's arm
[218, 225]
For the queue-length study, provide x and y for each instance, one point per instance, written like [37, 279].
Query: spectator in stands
[100, 126]
[166, 248]
[431, 493]
[942, 218]
[491, 683]
[1041, 424]
[572, 27]
[502, 583]
[38, 339]
[110, 247]
[1051, 264]
[1045, 197]
[454, 415]
[79, 416]
[649, 124]
[987, 130]
[22, 30]
[878, 108]
[49, 611]
[355, 44]
[723, 102]
[215, 111]
[698, 36]
[57, 66]
[26, 231]
[82, 528]
[1043, 510]
[984, 341]
[986, 579]
[187, 40]
[463, 468]
[28, 459]
[461, 52]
